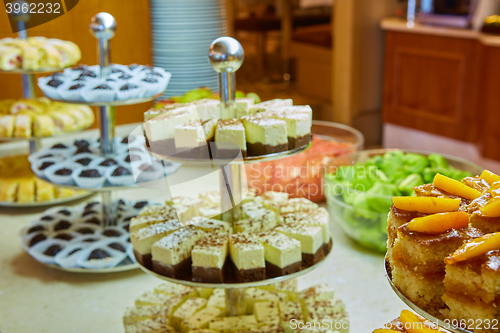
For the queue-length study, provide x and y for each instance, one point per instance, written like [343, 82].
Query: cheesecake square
[243, 106]
[171, 256]
[151, 298]
[139, 313]
[168, 208]
[297, 205]
[259, 214]
[265, 135]
[144, 221]
[271, 104]
[247, 257]
[209, 258]
[283, 254]
[190, 140]
[154, 112]
[236, 323]
[187, 207]
[230, 139]
[310, 238]
[218, 299]
[160, 130]
[186, 310]
[255, 295]
[266, 312]
[169, 288]
[298, 126]
[319, 292]
[290, 311]
[207, 108]
[318, 217]
[154, 325]
[143, 239]
[201, 319]
[209, 225]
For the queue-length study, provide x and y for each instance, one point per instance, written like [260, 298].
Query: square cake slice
[265, 135]
[247, 257]
[283, 254]
[310, 238]
[230, 139]
[298, 126]
[143, 239]
[209, 258]
[171, 255]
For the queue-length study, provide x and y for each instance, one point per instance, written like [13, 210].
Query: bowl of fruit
[359, 187]
[300, 175]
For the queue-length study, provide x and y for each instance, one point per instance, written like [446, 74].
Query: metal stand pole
[235, 302]
[27, 80]
[226, 57]
[103, 27]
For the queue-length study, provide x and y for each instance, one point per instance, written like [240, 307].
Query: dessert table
[36, 298]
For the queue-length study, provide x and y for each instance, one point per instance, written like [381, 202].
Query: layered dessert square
[266, 312]
[298, 126]
[143, 221]
[171, 256]
[258, 214]
[160, 130]
[282, 254]
[200, 319]
[207, 108]
[310, 238]
[243, 106]
[271, 104]
[191, 138]
[186, 310]
[247, 257]
[265, 135]
[318, 217]
[290, 312]
[143, 239]
[297, 205]
[230, 139]
[209, 258]
[209, 225]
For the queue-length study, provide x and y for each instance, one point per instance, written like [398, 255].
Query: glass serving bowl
[300, 175]
[368, 227]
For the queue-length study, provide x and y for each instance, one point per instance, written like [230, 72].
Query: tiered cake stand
[448, 325]
[29, 91]
[226, 56]
[103, 27]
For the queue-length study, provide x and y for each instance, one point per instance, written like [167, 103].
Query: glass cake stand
[103, 27]
[226, 56]
[440, 322]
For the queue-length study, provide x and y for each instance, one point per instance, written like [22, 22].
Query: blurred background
[408, 74]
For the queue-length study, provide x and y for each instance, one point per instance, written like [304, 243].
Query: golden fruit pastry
[41, 117]
[19, 184]
[37, 53]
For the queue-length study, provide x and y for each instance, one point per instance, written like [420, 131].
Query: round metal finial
[103, 26]
[226, 55]
[22, 15]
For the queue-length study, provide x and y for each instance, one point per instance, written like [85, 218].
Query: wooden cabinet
[430, 84]
[131, 44]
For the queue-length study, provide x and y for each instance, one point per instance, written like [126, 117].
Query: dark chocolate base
[143, 259]
[163, 147]
[201, 152]
[273, 271]
[257, 149]
[209, 274]
[248, 275]
[298, 141]
[327, 247]
[310, 259]
[174, 271]
[227, 154]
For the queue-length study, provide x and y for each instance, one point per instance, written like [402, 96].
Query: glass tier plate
[238, 285]
[245, 160]
[58, 201]
[114, 103]
[418, 310]
[121, 268]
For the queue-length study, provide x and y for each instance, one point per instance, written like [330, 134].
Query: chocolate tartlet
[91, 173]
[45, 165]
[64, 172]
[59, 146]
[84, 161]
[53, 250]
[132, 158]
[121, 171]
[108, 162]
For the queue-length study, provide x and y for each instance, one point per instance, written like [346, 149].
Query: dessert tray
[80, 164]
[446, 324]
[175, 308]
[73, 238]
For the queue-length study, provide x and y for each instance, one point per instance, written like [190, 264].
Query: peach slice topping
[455, 187]
[492, 208]
[489, 177]
[475, 248]
[412, 324]
[495, 189]
[439, 223]
[427, 205]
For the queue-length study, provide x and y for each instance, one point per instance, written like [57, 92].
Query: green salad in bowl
[359, 187]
